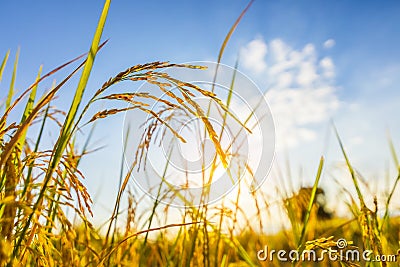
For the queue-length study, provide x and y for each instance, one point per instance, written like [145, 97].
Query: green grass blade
[28, 109]
[311, 202]
[225, 43]
[226, 40]
[114, 217]
[396, 182]
[32, 96]
[65, 134]
[38, 139]
[350, 167]
[3, 64]
[231, 30]
[229, 99]
[13, 77]
[69, 121]
[221, 52]
[234, 243]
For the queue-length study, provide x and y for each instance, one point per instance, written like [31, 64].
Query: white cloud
[285, 79]
[255, 52]
[302, 92]
[279, 50]
[307, 74]
[297, 110]
[328, 67]
[329, 43]
[309, 50]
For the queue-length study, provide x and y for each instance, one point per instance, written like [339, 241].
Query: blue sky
[362, 65]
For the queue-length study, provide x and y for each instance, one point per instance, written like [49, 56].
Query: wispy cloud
[302, 90]
[329, 43]
[255, 52]
[328, 67]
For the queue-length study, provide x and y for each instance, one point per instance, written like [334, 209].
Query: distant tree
[298, 204]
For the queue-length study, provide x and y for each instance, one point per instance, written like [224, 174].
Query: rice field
[46, 209]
